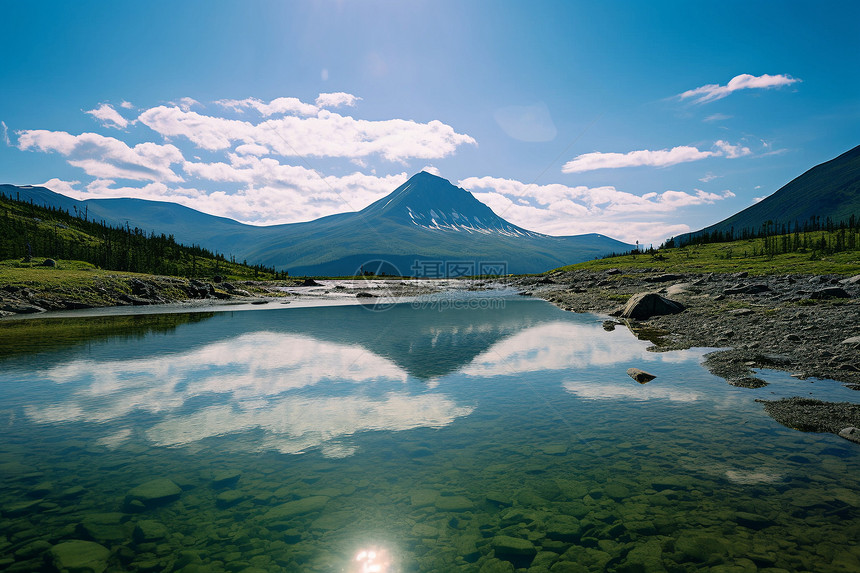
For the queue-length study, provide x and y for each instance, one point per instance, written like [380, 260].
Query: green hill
[827, 191]
[28, 230]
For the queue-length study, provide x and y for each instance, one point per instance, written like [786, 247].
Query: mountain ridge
[830, 189]
[427, 219]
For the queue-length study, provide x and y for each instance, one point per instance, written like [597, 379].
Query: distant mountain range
[425, 227]
[831, 189]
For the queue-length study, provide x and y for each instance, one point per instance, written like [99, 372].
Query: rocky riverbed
[806, 325]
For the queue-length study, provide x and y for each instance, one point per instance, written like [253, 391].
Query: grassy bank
[749, 255]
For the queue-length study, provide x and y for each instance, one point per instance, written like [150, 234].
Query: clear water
[486, 437]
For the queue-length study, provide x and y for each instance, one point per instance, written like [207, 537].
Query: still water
[480, 437]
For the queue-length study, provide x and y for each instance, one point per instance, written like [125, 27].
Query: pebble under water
[496, 436]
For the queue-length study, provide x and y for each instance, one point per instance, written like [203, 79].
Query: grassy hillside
[759, 256]
[31, 231]
[830, 190]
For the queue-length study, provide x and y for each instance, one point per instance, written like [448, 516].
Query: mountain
[426, 221]
[831, 189]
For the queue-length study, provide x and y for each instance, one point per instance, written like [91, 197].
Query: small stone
[513, 546]
[554, 449]
[424, 531]
[229, 498]
[32, 549]
[80, 557]
[640, 375]
[752, 520]
[297, 507]
[499, 499]
[149, 530]
[225, 478]
[850, 433]
[71, 492]
[154, 492]
[453, 503]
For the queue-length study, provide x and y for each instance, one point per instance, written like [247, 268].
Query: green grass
[732, 257]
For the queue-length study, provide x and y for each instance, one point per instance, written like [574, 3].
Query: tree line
[823, 236]
[28, 230]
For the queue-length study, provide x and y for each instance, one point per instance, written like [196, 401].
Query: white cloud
[660, 158]
[757, 199]
[337, 99]
[713, 92]
[107, 157]
[126, 105]
[243, 175]
[557, 209]
[708, 177]
[66, 188]
[6, 133]
[732, 151]
[270, 193]
[108, 116]
[186, 103]
[717, 117]
[278, 106]
[433, 170]
[328, 134]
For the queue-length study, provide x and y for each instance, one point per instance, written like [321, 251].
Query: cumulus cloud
[269, 193]
[66, 188]
[328, 134]
[558, 209]
[243, 174]
[731, 151]
[337, 99]
[107, 157]
[126, 105]
[108, 116]
[278, 106]
[660, 158]
[186, 103]
[713, 92]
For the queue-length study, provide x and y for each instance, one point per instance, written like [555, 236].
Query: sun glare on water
[372, 560]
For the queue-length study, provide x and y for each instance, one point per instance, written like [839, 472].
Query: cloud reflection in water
[259, 381]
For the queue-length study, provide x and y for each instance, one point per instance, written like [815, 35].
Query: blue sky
[636, 120]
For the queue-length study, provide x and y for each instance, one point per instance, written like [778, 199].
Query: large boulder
[647, 304]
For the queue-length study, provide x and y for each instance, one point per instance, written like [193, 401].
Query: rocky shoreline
[126, 290]
[806, 325]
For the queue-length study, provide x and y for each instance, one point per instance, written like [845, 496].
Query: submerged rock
[149, 530]
[297, 507]
[80, 557]
[154, 492]
[513, 546]
[644, 305]
[453, 503]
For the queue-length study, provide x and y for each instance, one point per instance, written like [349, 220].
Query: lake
[487, 434]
